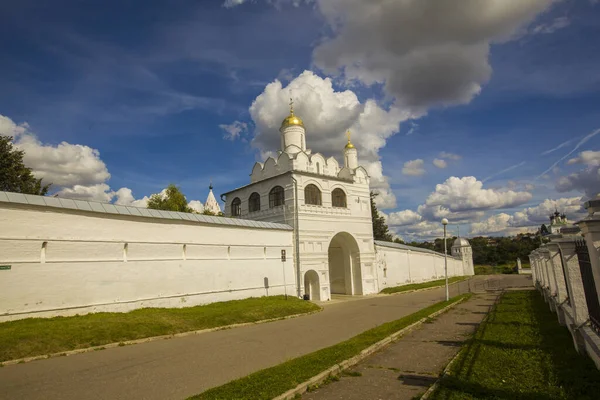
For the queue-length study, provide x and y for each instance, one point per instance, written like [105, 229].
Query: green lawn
[424, 285]
[271, 382]
[496, 269]
[521, 352]
[41, 336]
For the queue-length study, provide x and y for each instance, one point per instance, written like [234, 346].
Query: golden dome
[291, 120]
[349, 145]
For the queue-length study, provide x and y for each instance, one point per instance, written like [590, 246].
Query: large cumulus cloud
[424, 52]
[327, 115]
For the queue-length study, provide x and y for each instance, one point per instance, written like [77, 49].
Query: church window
[312, 195]
[318, 168]
[276, 197]
[254, 202]
[236, 207]
[338, 198]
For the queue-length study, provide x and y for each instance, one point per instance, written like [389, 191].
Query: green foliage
[491, 251]
[521, 352]
[271, 382]
[208, 212]
[14, 175]
[174, 200]
[36, 336]
[380, 228]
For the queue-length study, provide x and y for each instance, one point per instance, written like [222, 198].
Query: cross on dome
[349, 145]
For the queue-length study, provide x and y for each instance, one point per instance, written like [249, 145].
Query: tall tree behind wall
[14, 175]
[380, 228]
[172, 200]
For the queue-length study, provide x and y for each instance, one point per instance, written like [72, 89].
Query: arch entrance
[344, 265]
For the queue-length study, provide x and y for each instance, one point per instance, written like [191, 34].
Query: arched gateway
[311, 285]
[344, 265]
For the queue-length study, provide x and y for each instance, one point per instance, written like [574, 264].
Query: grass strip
[424, 285]
[271, 382]
[520, 352]
[41, 336]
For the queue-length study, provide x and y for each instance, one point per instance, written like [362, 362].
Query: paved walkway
[409, 366]
[181, 367]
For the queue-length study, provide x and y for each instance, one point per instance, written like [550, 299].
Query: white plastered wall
[66, 262]
[397, 267]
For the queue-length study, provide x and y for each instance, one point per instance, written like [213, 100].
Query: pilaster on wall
[573, 280]
[556, 265]
[548, 271]
[590, 226]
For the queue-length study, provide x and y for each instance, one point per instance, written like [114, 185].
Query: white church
[301, 226]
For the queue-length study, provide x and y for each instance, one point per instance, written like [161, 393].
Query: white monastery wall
[65, 262]
[400, 265]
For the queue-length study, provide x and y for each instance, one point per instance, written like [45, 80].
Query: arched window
[318, 168]
[254, 202]
[312, 195]
[236, 207]
[276, 197]
[338, 198]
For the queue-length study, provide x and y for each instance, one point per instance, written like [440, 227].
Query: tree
[380, 228]
[172, 200]
[14, 175]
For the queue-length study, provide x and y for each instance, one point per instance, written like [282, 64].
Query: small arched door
[311, 285]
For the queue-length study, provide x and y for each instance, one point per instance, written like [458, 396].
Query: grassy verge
[521, 352]
[271, 382]
[424, 285]
[497, 269]
[41, 336]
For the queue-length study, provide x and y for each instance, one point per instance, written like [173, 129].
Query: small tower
[293, 135]
[211, 203]
[350, 154]
[462, 249]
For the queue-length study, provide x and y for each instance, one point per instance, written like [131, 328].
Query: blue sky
[148, 92]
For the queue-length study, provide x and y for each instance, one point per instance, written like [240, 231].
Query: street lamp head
[444, 221]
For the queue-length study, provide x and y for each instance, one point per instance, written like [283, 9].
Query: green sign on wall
[4, 267]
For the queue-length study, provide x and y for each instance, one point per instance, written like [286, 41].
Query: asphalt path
[180, 367]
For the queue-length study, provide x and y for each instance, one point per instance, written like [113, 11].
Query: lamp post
[445, 222]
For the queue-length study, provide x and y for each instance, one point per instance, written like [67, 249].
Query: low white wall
[66, 262]
[402, 266]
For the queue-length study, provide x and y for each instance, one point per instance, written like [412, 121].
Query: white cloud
[529, 219]
[196, 206]
[450, 156]
[405, 217]
[233, 3]
[440, 163]
[462, 200]
[467, 193]
[327, 115]
[99, 192]
[124, 197]
[233, 130]
[556, 24]
[589, 158]
[414, 167]
[62, 165]
[424, 52]
[494, 224]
